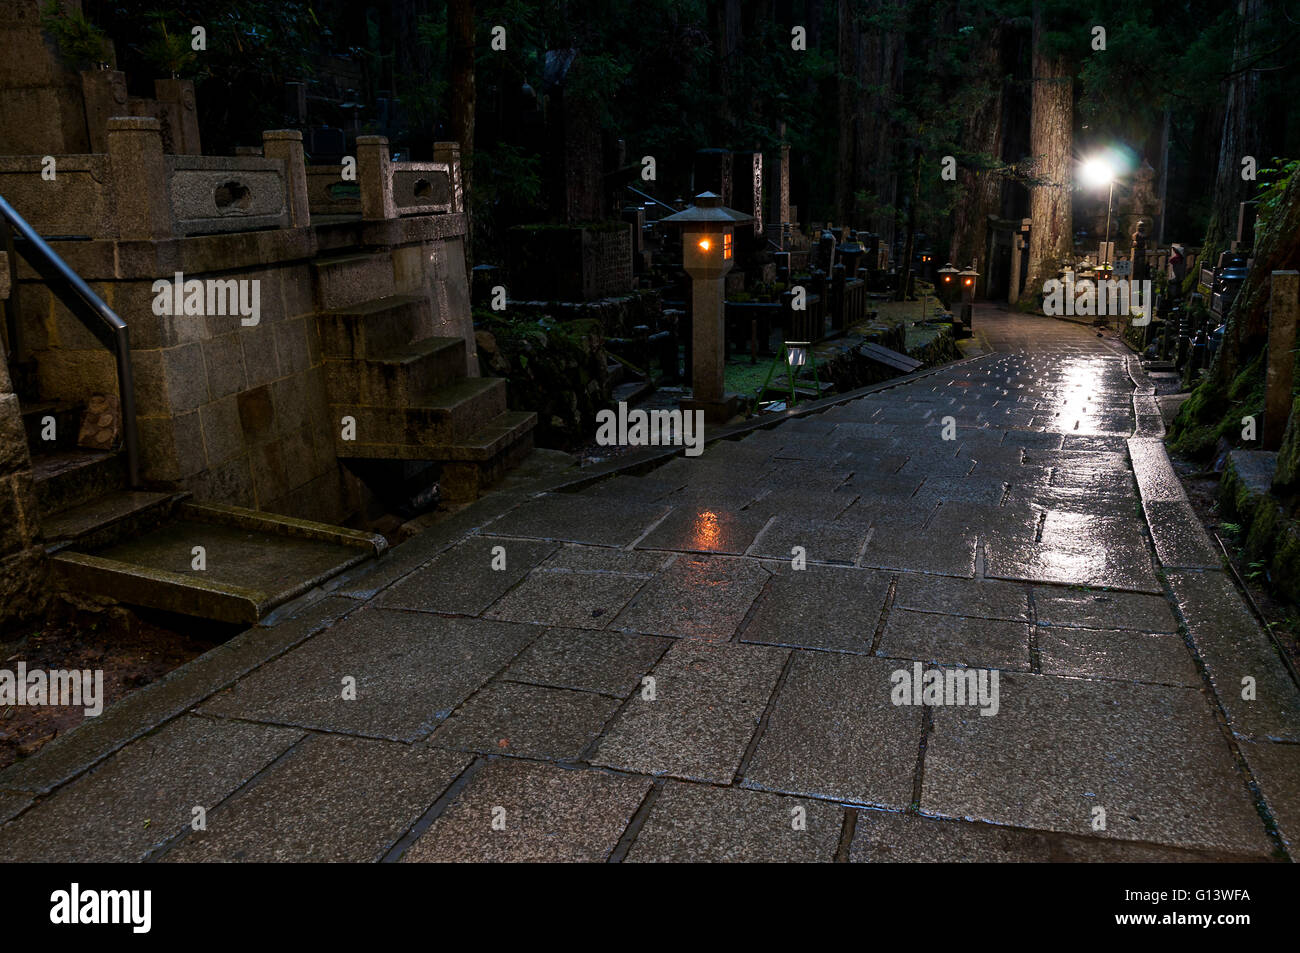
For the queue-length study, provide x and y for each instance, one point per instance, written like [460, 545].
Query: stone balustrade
[134, 191]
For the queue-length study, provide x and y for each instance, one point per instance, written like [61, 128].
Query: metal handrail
[650, 197]
[97, 317]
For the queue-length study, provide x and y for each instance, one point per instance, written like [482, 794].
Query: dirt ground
[129, 649]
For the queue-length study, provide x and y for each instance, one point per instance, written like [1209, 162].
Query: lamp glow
[1097, 172]
[705, 244]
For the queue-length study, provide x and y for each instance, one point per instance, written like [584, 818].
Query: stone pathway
[647, 675]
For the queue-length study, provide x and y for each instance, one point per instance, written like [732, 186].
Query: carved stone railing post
[139, 176]
[375, 176]
[286, 145]
[449, 152]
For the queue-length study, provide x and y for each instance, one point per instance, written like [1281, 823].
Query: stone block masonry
[231, 405]
[22, 567]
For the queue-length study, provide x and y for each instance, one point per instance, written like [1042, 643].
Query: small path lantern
[708, 253]
[967, 278]
[946, 284]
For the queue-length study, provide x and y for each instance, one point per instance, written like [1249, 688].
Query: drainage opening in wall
[232, 195]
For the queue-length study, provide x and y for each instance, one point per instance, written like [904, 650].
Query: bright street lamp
[1097, 171]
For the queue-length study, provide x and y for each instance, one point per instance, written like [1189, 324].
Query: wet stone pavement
[648, 675]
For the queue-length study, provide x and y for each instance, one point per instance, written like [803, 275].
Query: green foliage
[170, 53]
[1272, 188]
[80, 42]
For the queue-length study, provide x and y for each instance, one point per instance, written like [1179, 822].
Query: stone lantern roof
[708, 209]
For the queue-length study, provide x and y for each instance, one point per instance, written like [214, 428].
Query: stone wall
[236, 413]
[41, 106]
[22, 566]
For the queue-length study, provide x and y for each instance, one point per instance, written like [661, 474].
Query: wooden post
[1284, 313]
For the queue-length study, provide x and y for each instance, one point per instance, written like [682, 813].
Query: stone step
[473, 465]
[446, 416]
[68, 478]
[67, 424]
[396, 378]
[253, 562]
[373, 327]
[344, 281]
[108, 519]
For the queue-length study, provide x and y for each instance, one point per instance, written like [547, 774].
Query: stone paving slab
[1276, 768]
[1180, 540]
[530, 721]
[1102, 552]
[145, 794]
[930, 551]
[1103, 653]
[558, 597]
[700, 596]
[705, 529]
[605, 662]
[834, 733]
[1234, 647]
[886, 837]
[573, 518]
[956, 640]
[13, 804]
[708, 699]
[543, 813]
[411, 669]
[603, 559]
[979, 598]
[1095, 609]
[820, 607]
[330, 800]
[822, 541]
[697, 823]
[462, 579]
[1151, 756]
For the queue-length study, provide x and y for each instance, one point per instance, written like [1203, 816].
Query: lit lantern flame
[705, 244]
[968, 281]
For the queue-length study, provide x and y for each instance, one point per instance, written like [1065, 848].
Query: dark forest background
[1013, 89]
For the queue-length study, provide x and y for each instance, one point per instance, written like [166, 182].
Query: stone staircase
[407, 390]
[137, 546]
[82, 495]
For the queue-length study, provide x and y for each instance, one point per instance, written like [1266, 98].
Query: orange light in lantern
[705, 244]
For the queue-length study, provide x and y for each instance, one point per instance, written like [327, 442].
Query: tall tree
[981, 150]
[1242, 133]
[1051, 137]
[461, 97]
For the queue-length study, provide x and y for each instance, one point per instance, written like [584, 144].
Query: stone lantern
[967, 278]
[708, 253]
[946, 284]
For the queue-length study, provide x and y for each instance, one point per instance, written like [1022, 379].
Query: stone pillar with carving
[176, 99]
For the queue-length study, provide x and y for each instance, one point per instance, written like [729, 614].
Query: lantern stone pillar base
[715, 411]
